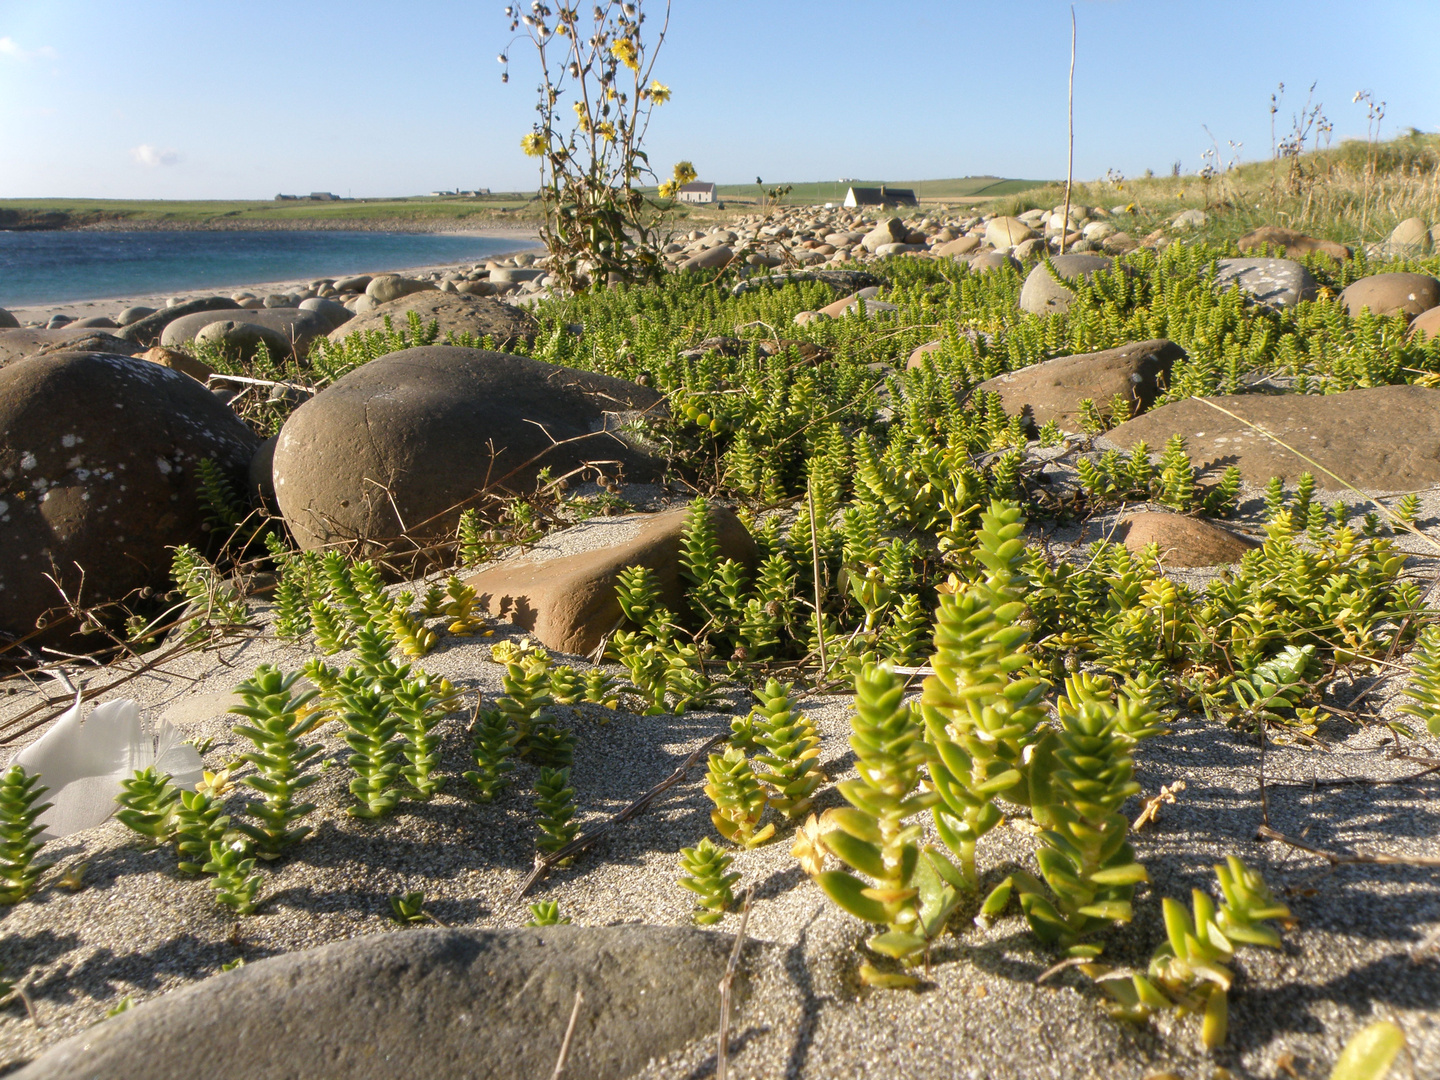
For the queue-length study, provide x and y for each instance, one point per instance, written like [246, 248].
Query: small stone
[1183, 541]
[1053, 389]
[1190, 219]
[1003, 233]
[1411, 237]
[389, 287]
[178, 361]
[1426, 324]
[1042, 294]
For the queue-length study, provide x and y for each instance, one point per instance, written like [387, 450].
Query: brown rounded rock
[1053, 389]
[963, 245]
[99, 474]
[400, 445]
[568, 603]
[1392, 294]
[1183, 541]
[1427, 323]
[918, 354]
[178, 361]
[455, 313]
[1293, 243]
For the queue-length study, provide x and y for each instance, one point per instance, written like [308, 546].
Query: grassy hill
[809, 194]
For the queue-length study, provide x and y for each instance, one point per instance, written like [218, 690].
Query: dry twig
[1151, 811]
[722, 1053]
[569, 1034]
[1359, 859]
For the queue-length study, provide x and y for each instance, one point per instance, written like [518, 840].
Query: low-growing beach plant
[787, 750]
[213, 602]
[460, 609]
[147, 802]
[547, 913]
[235, 881]
[200, 820]
[409, 633]
[372, 733]
[708, 876]
[408, 908]
[20, 810]
[1422, 694]
[914, 888]
[567, 686]
[279, 718]
[601, 688]
[492, 746]
[555, 810]
[419, 711]
[471, 549]
[1189, 972]
[739, 799]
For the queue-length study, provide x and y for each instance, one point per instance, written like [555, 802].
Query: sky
[216, 99]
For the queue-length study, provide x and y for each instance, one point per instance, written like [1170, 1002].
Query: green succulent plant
[787, 749]
[708, 876]
[279, 719]
[20, 810]
[235, 882]
[555, 810]
[493, 744]
[739, 799]
[147, 803]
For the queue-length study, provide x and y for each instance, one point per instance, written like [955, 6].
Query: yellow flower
[668, 189]
[809, 846]
[624, 51]
[606, 129]
[659, 93]
[533, 144]
[214, 784]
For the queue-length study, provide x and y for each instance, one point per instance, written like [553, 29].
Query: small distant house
[286, 198]
[880, 196]
[323, 196]
[697, 192]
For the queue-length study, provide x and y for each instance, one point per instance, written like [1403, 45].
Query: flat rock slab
[569, 603]
[457, 313]
[1053, 389]
[400, 445]
[1381, 439]
[1273, 282]
[437, 1004]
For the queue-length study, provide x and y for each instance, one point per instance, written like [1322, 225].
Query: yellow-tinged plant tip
[1370, 1052]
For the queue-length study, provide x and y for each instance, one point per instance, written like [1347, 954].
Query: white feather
[83, 761]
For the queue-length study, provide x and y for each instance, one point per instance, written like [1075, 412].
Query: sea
[54, 267]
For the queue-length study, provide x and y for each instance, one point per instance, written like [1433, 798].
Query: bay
[61, 266]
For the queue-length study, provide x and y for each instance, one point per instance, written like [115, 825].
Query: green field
[419, 211]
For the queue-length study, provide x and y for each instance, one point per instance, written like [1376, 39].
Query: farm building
[697, 192]
[880, 196]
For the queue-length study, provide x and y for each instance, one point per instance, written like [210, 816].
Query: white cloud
[10, 47]
[152, 157]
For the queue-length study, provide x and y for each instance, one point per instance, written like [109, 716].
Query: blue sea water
[56, 267]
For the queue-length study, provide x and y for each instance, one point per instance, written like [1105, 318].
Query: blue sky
[216, 99]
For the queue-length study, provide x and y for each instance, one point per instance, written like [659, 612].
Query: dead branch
[1358, 859]
[722, 1053]
[544, 864]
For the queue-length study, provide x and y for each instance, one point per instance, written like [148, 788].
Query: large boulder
[1411, 237]
[962, 245]
[1274, 282]
[456, 314]
[892, 231]
[1053, 389]
[1292, 242]
[1381, 439]
[290, 330]
[1427, 323]
[336, 313]
[400, 445]
[146, 331]
[8, 321]
[20, 343]
[1183, 541]
[1046, 294]
[568, 602]
[1003, 233]
[1392, 294]
[424, 1003]
[99, 477]
[388, 287]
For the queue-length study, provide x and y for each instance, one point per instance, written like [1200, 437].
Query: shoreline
[112, 305]
[458, 226]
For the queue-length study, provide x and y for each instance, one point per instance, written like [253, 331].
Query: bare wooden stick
[722, 1053]
[1070, 158]
[815, 566]
[1359, 859]
[543, 864]
[569, 1034]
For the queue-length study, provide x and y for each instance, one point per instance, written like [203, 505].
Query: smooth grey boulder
[356, 283]
[1044, 294]
[428, 1003]
[515, 274]
[710, 259]
[389, 287]
[134, 314]
[400, 445]
[147, 331]
[8, 321]
[336, 313]
[294, 329]
[243, 339]
[1273, 282]
[19, 343]
[982, 261]
[455, 313]
[105, 451]
[96, 322]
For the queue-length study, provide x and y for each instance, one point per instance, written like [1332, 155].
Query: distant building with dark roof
[696, 192]
[880, 196]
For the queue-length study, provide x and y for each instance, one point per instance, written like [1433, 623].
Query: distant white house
[880, 196]
[697, 192]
